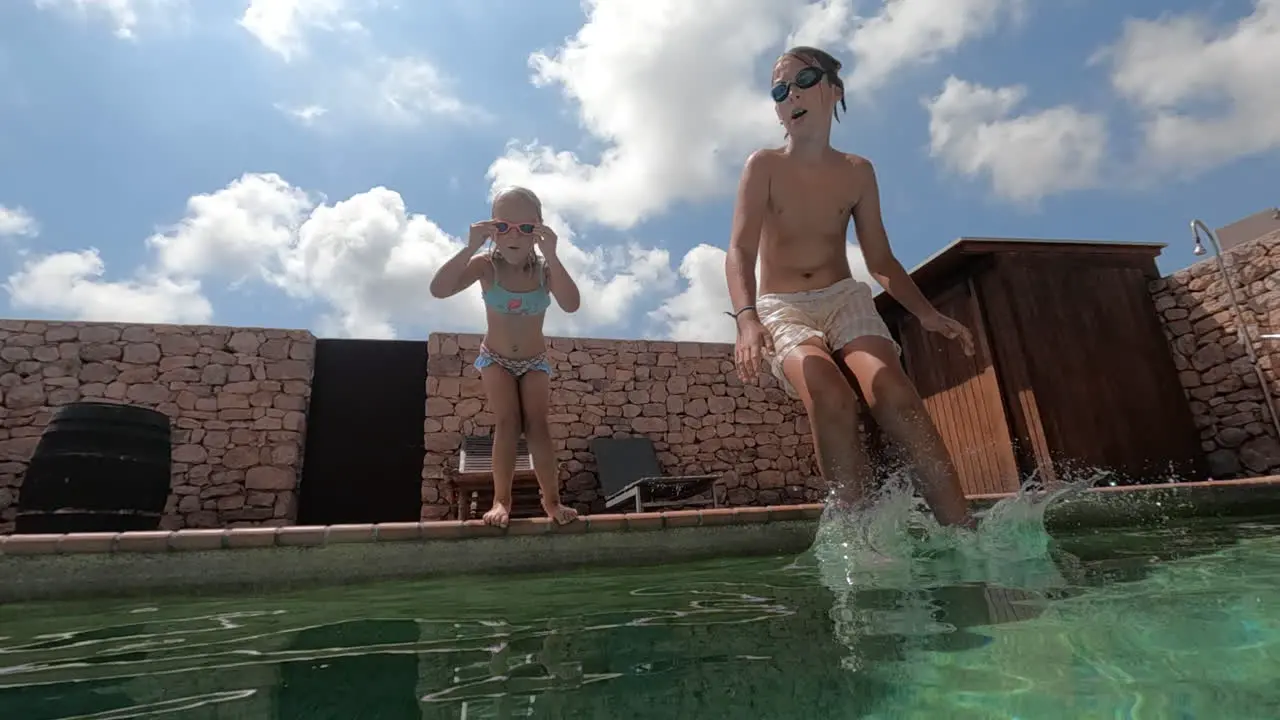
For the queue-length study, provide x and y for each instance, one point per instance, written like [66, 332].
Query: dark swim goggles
[805, 79]
[526, 228]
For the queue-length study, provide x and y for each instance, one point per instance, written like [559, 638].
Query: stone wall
[1226, 396]
[684, 396]
[237, 397]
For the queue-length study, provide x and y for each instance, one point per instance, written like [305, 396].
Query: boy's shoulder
[854, 158]
[858, 163]
[765, 157]
[773, 155]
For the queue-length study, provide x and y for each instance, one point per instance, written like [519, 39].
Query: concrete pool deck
[95, 564]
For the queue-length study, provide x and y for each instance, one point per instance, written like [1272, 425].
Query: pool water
[1179, 622]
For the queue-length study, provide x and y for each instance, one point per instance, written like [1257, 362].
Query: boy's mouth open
[798, 113]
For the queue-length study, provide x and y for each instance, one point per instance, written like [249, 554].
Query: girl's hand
[546, 241]
[480, 233]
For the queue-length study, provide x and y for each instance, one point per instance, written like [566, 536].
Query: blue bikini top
[532, 302]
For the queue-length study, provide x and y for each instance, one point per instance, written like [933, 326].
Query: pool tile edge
[54, 576]
[245, 538]
[1090, 507]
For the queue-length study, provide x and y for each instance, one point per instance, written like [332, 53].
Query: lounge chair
[475, 478]
[629, 473]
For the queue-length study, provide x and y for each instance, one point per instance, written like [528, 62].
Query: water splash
[884, 561]
[895, 542]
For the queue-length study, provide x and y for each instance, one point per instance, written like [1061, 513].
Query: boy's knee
[834, 401]
[896, 397]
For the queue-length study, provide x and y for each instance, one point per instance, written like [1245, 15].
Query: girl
[517, 286]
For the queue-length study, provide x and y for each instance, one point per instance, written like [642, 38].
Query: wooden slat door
[1107, 389]
[962, 394]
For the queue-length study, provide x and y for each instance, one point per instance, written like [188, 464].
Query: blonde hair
[522, 192]
[534, 261]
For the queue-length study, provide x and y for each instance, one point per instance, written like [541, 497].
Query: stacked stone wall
[1221, 382]
[237, 398]
[685, 397]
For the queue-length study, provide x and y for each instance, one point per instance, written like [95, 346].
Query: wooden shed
[1071, 368]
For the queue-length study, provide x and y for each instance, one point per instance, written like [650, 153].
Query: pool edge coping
[96, 575]
[245, 538]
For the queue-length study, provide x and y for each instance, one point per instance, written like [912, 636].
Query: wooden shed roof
[955, 257]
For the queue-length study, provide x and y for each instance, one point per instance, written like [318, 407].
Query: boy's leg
[898, 409]
[833, 417]
[503, 394]
[535, 400]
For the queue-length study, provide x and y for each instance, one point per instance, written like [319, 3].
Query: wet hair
[829, 66]
[534, 262]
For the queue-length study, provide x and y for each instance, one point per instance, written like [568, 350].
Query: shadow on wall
[1226, 396]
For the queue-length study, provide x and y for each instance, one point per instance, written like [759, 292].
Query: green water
[1174, 623]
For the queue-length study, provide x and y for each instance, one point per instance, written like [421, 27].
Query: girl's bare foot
[498, 515]
[561, 514]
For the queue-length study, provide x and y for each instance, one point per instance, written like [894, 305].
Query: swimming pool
[1178, 622]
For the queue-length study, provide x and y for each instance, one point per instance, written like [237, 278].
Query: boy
[793, 210]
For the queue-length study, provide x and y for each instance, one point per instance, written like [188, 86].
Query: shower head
[1196, 227]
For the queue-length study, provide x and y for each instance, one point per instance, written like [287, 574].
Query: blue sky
[110, 122]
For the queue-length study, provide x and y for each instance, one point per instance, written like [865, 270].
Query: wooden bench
[473, 486]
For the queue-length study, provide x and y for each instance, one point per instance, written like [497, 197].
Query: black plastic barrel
[98, 467]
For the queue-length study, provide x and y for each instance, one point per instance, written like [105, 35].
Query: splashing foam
[895, 542]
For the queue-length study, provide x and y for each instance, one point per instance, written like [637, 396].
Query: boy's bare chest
[822, 211]
[812, 198]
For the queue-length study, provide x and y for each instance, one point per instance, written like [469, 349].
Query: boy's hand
[754, 344]
[949, 329]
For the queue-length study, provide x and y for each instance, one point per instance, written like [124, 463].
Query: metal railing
[1242, 332]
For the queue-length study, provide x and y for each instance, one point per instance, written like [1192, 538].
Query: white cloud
[281, 25]
[124, 15]
[365, 259]
[236, 232]
[396, 93]
[697, 313]
[17, 222]
[305, 114]
[370, 261]
[674, 94]
[822, 24]
[917, 32]
[70, 285]
[409, 89]
[674, 97]
[973, 132]
[1210, 95]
